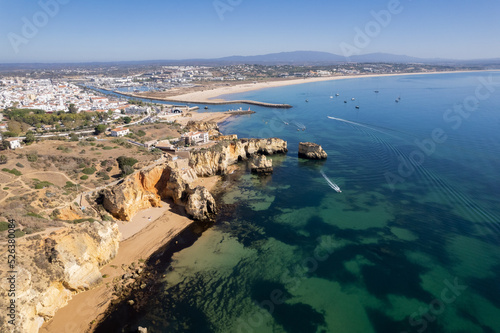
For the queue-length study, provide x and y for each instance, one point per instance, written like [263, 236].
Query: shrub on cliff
[88, 171]
[127, 170]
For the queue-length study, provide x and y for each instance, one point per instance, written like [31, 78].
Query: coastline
[87, 307]
[215, 96]
[141, 239]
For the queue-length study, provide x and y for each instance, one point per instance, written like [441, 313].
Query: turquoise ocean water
[411, 244]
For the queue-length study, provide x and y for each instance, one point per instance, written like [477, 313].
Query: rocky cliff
[261, 165]
[53, 268]
[215, 161]
[312, 151]
[147, 188]
[204, 126]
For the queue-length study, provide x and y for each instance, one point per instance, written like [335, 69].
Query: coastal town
[249, 166]
[142, 154]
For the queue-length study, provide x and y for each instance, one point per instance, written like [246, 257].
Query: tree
[124, 160]
[101, 128]
[127, 120]
[30, 137]
[127, 170]
[3, 159]
[72, 108]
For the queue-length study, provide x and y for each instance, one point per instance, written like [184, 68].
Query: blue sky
[90, 30]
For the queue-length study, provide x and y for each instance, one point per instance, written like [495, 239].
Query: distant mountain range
[313, 57]
[283, 58]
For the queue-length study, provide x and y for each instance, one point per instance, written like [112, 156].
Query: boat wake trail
[468, 206]
[363, 125]
[330, 183]
[299, 125]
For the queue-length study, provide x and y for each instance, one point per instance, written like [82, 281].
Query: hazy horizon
[65, 31]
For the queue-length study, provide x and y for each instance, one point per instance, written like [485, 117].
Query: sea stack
[311, 151]
[261, 165]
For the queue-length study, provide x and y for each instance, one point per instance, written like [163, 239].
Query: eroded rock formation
[201, 205]
[147, 188]
[216, 160]
[52, 269]
[204, 126]
[311, 151]
[261, 165]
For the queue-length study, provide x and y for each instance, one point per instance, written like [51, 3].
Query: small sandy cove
[148, 231]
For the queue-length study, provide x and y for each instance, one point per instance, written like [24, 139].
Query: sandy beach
[214, 94]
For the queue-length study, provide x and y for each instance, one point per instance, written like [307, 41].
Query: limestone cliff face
[139, 191]
[204, 126]
[148, 188]
[201, 205]
[312, 151]
[261, 165]
[226, 137]
[216, 160]
[52, 269]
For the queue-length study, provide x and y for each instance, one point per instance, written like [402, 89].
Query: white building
[120, 131]
[14, 143]
[196, 137]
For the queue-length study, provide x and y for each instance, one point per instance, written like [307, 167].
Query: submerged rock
[261, 165]
[311, 151]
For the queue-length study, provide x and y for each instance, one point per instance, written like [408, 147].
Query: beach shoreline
[216, 96]
[149, 231]
[87, 308]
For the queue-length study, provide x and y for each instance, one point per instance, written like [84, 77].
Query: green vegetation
[82, 220]
[72, 108]
[101, 128]
[140, 133]
[127, 170]
[40, 117]
[19, 165]
[30, 137]
[124, 160]
[34, 215]
[32, 157]
[18, 233]
[41, 185]
[107, 148]
[3, 159]
[69, 185]
[84, 177]
[126, 164]
[103, 175]
[6, 188]
[64, 149]
[127, 120]
[89, 171]
[4, 226]
[136, 102]
[13, 171]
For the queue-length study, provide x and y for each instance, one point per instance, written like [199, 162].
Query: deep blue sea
[411, 244]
